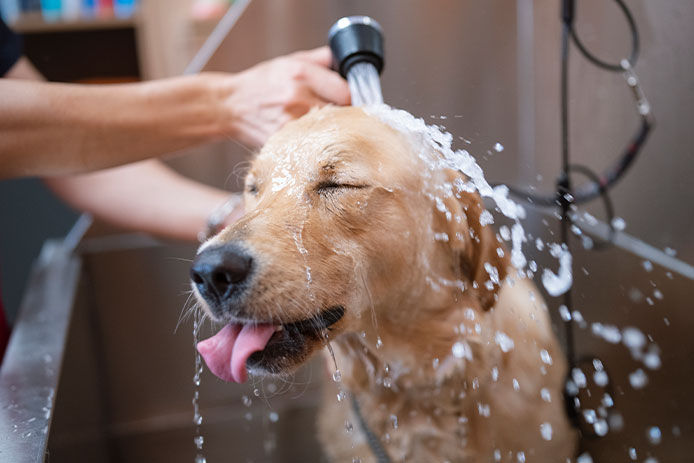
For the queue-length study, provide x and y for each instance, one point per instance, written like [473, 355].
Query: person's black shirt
[10, 48]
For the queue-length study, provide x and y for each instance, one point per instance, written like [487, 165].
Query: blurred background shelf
[34, 23]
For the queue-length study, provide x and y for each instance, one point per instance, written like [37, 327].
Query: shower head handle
[355, 39]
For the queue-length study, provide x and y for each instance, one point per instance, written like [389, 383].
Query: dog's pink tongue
[226, 352]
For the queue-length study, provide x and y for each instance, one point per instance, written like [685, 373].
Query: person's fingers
[328, 85]
[321, 55]
[303, 105]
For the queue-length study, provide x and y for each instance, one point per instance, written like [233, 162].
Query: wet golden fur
[340, 212]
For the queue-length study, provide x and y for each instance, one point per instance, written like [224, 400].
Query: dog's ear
[481, 259]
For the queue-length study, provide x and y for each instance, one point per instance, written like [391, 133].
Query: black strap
[374, 442]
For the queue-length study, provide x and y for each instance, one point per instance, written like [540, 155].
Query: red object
[105, 8]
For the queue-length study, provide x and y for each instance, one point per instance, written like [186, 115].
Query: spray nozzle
[355, 39]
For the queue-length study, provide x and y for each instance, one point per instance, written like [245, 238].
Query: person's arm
[53, 129]
[146, 196]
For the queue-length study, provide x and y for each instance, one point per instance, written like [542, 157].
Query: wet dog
[356, 235]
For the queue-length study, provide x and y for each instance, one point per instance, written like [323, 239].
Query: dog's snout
[218, 272]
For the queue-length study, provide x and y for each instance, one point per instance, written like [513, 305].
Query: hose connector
[355, 39]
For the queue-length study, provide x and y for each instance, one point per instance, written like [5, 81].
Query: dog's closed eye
[252, 189]
[331, 186]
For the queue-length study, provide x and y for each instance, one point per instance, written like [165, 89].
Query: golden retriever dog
[354, 235]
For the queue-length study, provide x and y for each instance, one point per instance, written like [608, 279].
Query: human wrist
[186, 108]
[219, 89]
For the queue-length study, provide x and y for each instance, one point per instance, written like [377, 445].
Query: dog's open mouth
[270, 347]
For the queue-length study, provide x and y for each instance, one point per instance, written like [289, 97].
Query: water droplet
[607, 400]
[654, 435]
[246, 400]
[634, 339]
[545, 394]
[200, 459]
[387, 382]
[356, 460]
[349, 427]
[601, 378]
[564, 313]
[578, 377]
[341, 396]
[670, 252]
[199, 440]
[589, 415]
[516, 386]
[546, 431]
[638, 379]
[505, 343]
[584, 458]
[273, 416]
[632, 453]
[558, 283]
[379, 342]
[337, 376]
[578, 318]
[616, 421]
[498, 147]
[483, 409]
[546, 358]
[394, 421]
[256, 392]
[652, 360]
[601, 428]
[619, 223]
[461, 349]
[539, 244]
[647, 265]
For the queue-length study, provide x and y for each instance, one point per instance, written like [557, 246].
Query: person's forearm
[52, 129]
[146, 196]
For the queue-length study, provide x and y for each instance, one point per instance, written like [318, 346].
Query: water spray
[357, 46]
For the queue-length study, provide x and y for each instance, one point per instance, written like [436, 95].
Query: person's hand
[265, 97]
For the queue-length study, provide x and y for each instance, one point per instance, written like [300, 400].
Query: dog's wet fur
[344, 238]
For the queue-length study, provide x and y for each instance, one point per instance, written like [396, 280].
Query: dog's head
[347, 226]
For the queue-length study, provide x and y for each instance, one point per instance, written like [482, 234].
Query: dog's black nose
[218, 272]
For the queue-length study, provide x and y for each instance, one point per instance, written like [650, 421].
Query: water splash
[559, 283]
[434, 147]
[198, 440]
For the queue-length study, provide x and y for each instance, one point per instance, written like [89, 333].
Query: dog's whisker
[187, 309]
[374, 319]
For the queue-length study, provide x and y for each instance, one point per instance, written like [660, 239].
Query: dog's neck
[415, 355]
